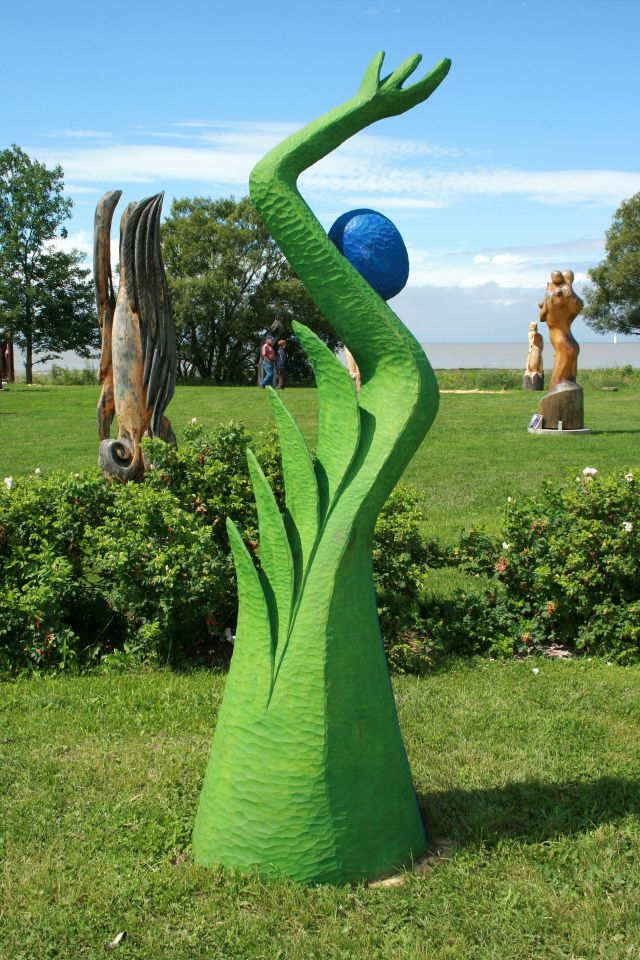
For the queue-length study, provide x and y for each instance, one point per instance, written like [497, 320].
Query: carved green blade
[338, 411]
[301, 491]
[275, 553]
[255, 643]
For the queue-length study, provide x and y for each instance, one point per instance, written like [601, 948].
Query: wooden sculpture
[560, 307]
[138, 355]
[534, 373]
[563, 404]
[308, 776]
[352, 367]
[7, 368]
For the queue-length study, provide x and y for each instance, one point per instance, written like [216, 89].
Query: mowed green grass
[477, 453]
[528, 782]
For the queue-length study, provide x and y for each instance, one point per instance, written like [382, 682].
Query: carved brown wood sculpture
[106, 302]
[7, 369]
[558, 310]
[138, 357]
[534, 374]
[563, 406]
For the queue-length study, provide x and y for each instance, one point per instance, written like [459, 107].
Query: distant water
[513, 356]
[451, 356]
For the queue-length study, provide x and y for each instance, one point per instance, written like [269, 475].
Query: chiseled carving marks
[564, 403]
[308, 775]
[560, 307]
[138, 356]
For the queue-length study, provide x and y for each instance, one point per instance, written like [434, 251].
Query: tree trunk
[28, 366]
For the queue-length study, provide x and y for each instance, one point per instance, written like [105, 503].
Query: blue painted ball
[372, 243]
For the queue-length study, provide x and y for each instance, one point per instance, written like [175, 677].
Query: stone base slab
[548, 432]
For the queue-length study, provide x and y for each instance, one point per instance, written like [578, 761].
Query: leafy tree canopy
[613, 302]
[46, 296]
[229, 282]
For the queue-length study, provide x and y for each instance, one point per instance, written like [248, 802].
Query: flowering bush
[90, 569]
[565, 571]
[572, 568]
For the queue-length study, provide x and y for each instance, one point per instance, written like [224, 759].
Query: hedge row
[92, 571]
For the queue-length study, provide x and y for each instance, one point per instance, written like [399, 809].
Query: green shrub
[464, 625]
[167, 581]
[399, 557]
[565, 571]
[476, 552]
[91, 569]
[63, 376]
[571, 552]
[49, 614]
[208, 475]
[614, 630]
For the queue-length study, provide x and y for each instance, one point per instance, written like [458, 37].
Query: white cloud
[80, 134]
[526, 267]
[544, 186]
[77, 188]
[481, 314]
[359, 173]
[80, 240]
[212, 156]
[145, 164]
[395, 203]
[368, 169]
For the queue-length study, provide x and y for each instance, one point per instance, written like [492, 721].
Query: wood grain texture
[138, 358]
[106, 303]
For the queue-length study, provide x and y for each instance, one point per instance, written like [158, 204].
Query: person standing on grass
[268, 357]
[281, 364]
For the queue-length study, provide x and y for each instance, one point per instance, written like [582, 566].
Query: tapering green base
[315, 783]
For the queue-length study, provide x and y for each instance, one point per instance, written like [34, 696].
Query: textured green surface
[308, 776]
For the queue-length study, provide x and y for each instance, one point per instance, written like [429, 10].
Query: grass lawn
[477, 453]
[529, 782]
[532, 780]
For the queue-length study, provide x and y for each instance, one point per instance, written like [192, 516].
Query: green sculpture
[308, 776]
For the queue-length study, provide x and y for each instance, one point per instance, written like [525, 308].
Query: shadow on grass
[533, 811]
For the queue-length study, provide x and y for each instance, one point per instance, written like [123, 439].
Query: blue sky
[513, 167]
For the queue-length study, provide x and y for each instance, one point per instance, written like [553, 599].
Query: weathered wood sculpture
[308, 775]
[564, 402]
[7, 368]
[534, 372]
[138, 356]
[106, 302]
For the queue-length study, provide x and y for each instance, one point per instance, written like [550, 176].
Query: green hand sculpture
[308, 777]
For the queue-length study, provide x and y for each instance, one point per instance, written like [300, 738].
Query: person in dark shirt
[281, 364]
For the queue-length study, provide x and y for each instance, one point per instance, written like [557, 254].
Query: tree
[229, 282]
[46, 296]
[613, 302]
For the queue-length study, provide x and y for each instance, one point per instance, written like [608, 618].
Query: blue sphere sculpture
[373, 245]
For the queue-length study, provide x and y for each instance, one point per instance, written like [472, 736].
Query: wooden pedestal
[564, 403]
